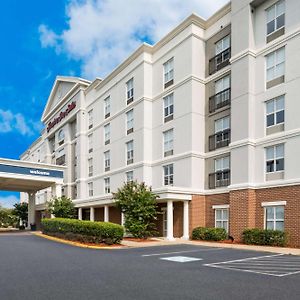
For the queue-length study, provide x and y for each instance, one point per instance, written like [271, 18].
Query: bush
[61, 207]
[264, 237]
[209, 234]
[83, 231]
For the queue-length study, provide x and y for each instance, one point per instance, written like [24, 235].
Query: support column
[57, 190]
[106, 213]
[170, 234]
[79, 213]
[31, 209]
[92, 214]
[186, 235]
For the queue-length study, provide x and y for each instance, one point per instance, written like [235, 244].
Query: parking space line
[177, 252]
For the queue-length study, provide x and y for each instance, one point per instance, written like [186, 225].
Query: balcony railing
[219, 139]
[219, 100]
[219, 61]
[219, 179]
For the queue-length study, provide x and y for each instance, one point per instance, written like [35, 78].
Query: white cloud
[8, 201]
[101, 33]
[10, 122]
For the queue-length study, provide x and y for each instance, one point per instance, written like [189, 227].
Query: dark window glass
[280, 116]
[270, 120]
[270, 27]
[279, 164]
[270, 166]
[280, 21]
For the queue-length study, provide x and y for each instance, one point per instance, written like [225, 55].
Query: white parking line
[187, 251]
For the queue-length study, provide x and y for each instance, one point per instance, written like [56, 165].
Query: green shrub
[209, 234]
[265, 237]
[83, 231]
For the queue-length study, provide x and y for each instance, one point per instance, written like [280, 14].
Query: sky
[85, 38]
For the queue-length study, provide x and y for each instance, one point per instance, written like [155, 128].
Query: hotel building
[208, 117]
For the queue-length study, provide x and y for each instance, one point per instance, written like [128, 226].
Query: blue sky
[86, 38]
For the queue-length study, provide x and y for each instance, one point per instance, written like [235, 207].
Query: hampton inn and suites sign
[61, 116]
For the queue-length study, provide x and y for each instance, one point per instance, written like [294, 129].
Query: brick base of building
[246, 211]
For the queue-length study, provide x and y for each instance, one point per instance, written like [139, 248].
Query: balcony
[219, 179]
[219, 100]
[219, 61]
[219, 140]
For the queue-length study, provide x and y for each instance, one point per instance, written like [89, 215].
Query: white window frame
[90, 142]
[107, 107]
[129, 120]
[106, 159]
[274, 158]
[130, 89]
[107, 185]
[223, 220]
[168, 176]
[273, 62]
[90, 167]
[168, 141]
[91, 189]
[223, 123]
[276, 16]
[274, 220]
[169, 70]
[168, 105]
[129, 176]
[90, 119]
[107, 133]
[129, 151]
[221, 46]
[276, 110]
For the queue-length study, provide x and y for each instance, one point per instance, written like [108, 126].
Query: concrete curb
[75, 244]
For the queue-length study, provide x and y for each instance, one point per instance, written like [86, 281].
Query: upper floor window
[129, 176]
[91, 189]
[107, 161]
[129, 121]
[168, 142]
[222, 94]
[275, 158]
[107, 107]
[107, 134]
[274, 216]
[275, 17]
[169, 72]
[130, 91]
[275, 64]
[129, 152]
[222, 44]
[275, 111]
[168, 107]
[90, 166]
[168, 174]
[61, 137]
[222, 124]
[222, 164]
[90, 142]
[107, 185]
[90, 117]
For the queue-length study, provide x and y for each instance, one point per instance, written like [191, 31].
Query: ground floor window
[221, 218]
[274, 217]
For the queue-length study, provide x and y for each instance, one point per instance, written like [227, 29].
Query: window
[90, 142]
[107, 134]
[129, 121]
[222, 124]
[61, 137]
[107, 161]
[168, 142]
[168, 108]
[107, 107]
[169, 72]
[90, 164]
[222, 171]
[275, 158]
[129, 147]
[130, 91]
[107, 185]
[275, 64]
[222, 164]
[129, 176]
[221, 218]
[275, 111]
[91, 189]
[222, 45]
[61, 157]
[90, 116]
[275, 17]
[168, 174]
[274, 217]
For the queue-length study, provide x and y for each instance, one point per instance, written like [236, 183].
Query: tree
[21, 212]
[7, 218]
[138, 203]
[61, 207]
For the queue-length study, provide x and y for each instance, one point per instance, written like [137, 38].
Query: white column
[122, 219]
[185, 220]
[79, 213]
[31, 209]
[106, 213]
[170, 235]
[92, 214]
[56, 190]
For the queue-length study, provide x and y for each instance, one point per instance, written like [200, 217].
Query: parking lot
[34, 268]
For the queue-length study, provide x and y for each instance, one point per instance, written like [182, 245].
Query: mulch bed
[138, 240]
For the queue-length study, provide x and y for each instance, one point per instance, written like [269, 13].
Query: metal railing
[219, 61]
[219, 139]
[219, 100]
[219, 179]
